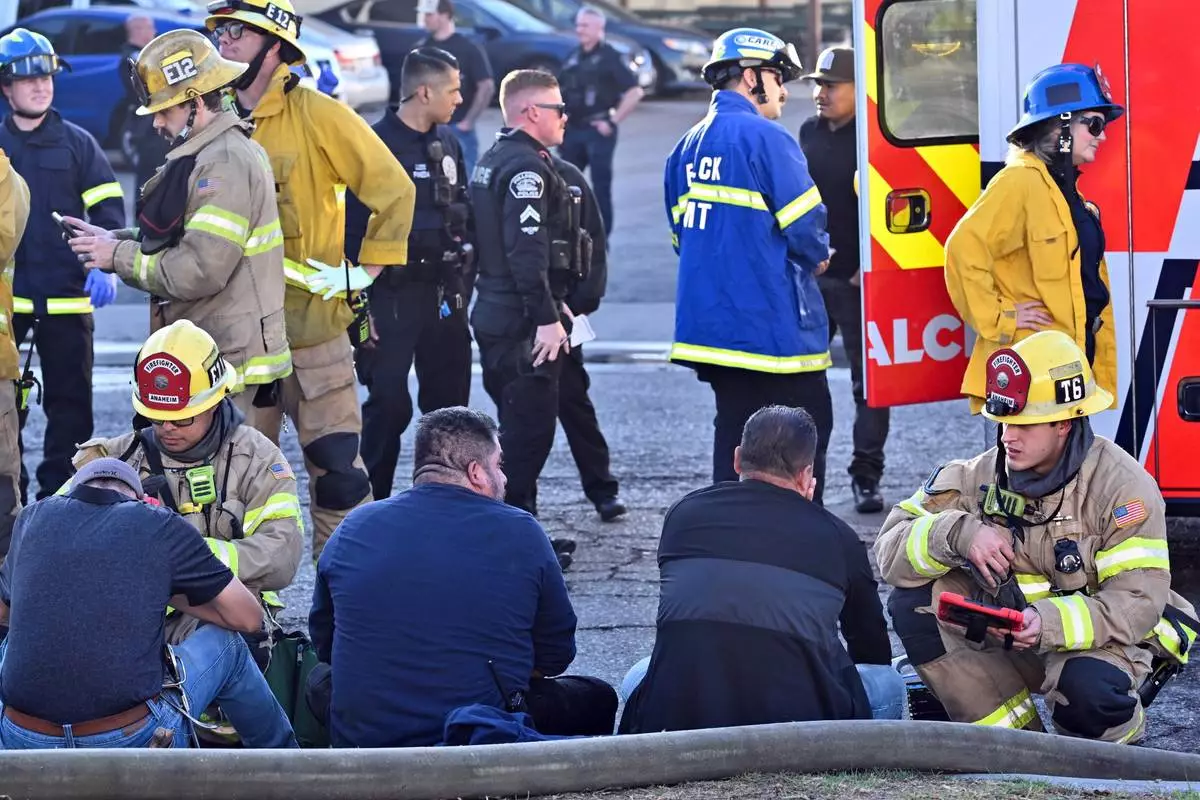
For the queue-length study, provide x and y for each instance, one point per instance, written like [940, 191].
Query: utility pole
[814, 31]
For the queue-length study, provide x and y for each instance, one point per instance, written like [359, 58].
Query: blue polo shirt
[416, 594]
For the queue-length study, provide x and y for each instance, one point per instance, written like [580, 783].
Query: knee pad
[918, 632]
[343, 485]
[1097, 697]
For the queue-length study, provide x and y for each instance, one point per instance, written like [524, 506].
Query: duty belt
[113, 722]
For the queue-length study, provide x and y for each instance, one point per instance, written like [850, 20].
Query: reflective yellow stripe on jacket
[1134, 553]
[226, 551]
[264, 238]
[917, 549]
[1034, 587]
[222, 223]
[55, 305]
[264, 369]
[1078, 632]
[754, 361]
[278, 506]
[105, 191]
[296, 275]
[1016, 712]
[1169, 638]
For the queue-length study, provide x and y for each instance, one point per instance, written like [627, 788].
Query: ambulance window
[928, 75]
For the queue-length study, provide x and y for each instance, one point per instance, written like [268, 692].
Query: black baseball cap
[835, 65]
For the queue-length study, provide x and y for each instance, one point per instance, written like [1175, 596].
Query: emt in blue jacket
[749, 227]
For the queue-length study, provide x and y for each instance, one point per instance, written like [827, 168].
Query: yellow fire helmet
[274, 17]
[180, 373]
[179, 66]
[1045, 378]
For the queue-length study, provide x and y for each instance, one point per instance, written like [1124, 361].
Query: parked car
[512, 37]
[678, 52]
[352, 63]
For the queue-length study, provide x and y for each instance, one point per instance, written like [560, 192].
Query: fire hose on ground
[532, 769]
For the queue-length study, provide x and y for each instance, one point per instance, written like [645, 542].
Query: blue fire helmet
[26, 54]
[1066, 88]
[751, 47]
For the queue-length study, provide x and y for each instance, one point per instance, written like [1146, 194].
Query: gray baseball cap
[111, 468]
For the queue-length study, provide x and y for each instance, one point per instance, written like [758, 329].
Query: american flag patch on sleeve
[1130, 513]
[281, 470]
[206, 185]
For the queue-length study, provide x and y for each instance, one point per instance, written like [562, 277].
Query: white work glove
[328, 281]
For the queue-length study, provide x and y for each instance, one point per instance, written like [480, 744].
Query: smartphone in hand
[68, 231]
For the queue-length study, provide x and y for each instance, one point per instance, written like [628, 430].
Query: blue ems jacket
[749, 227]
[67, 172]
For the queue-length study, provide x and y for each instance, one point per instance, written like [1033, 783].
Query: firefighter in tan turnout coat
[209, 248]
[14, 213]
[1057, 523]
[224, 477]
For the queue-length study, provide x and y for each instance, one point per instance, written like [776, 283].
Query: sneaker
[611, 508]
[563, 548]
[867, 499]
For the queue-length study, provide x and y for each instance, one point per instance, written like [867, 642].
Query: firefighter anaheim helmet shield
[180, 373]
[179, 66]
[1045, 378]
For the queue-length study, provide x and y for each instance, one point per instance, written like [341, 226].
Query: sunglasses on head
[1095, 125]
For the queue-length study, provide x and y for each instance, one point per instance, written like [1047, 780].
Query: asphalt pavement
[658, 420]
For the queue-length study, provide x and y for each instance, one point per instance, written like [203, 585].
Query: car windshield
[513, 17]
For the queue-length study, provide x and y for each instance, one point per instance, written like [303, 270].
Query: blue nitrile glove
[102, 286]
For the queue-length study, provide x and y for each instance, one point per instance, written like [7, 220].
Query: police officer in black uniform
[418, 312]
[533, 256]
[53, 295]
[600, 91]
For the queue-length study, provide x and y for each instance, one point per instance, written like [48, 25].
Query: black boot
[867, 499]
[611, 508]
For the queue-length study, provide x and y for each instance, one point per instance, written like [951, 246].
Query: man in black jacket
[755, 579]
[532, 257]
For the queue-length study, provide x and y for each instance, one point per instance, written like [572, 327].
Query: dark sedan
[678, 52]
[513, 38]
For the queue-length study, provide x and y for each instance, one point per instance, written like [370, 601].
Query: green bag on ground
[292, 659]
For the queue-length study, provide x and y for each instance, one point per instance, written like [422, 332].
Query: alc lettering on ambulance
[709, 172]
[933, 345]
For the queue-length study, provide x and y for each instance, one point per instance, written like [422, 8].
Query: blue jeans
[886, 691]
[470, 151]
[217, 666]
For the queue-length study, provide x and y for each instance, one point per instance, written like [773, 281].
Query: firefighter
[208, 248]
[419, 312]
[1029, 254]
[194, 452]
[534, 252]
[67, 173]
[749, 227]
[1059, 524]
[14, 212]
[316, 144]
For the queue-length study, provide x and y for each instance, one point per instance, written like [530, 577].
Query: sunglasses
[233, 29]
[175, 423]
[561, 108]
[1095, 125]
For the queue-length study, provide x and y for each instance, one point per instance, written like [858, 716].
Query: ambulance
[940, 84]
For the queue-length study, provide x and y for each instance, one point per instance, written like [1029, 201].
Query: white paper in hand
[582, 331]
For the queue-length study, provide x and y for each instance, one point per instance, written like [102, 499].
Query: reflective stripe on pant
[407, 321]
[995, 687]
[64, 348]
[321, 400]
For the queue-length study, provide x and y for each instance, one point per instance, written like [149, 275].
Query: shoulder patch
[1129, 513]
[527, 185]
[281, 470]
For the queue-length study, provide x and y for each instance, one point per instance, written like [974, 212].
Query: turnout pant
[409, 327]
[321, 400]
[64, 347]
[587, 148]
[843, 303]
[1091, 694]
[529, 400]
[741, 392]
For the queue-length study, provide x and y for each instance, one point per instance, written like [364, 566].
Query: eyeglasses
[232, 29]
[561, 108]
[175, 423]
[1095, 125]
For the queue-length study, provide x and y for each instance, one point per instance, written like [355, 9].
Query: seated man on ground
[443, 596]
[85, 584]
[194, 453]
[755, 578]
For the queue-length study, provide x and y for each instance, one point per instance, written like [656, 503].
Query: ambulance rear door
[918, 173]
